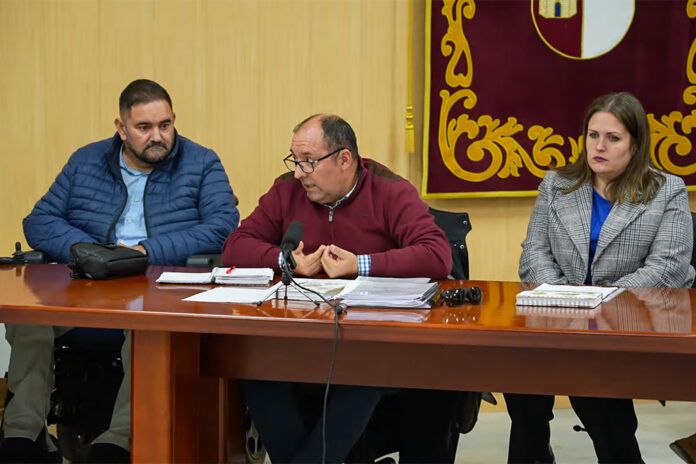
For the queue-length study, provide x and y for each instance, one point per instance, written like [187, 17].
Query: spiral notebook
[566, 296]
[558, 311]
[559, 298]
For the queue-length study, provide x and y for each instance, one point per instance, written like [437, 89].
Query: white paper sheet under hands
[248, 295]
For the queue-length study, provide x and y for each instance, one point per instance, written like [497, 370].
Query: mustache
[155, 144]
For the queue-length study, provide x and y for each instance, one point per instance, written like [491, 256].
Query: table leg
[165, 394]
[214, 420]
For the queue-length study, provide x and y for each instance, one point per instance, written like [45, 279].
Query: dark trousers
[422, 425]
[427, 432]
[289, 420]
[611, 424]
[530, 432]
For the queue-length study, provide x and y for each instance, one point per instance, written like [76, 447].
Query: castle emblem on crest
[582, 29]
[550, 9]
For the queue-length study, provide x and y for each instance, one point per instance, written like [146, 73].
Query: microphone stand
[339, 308]
[287, 279]
[286, 271]
[286, 268]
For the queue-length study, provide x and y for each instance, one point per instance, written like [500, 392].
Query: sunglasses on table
[461, 296]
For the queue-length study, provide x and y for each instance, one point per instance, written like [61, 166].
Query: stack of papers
[247, 295]
[389, 293]
[392, 315]
[328, 288]
[363, 291]
[220, 275]
[243, 276]
[566, 296]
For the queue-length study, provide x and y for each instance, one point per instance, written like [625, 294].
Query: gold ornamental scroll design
[506, 156]
[668, 139]
[669, 132]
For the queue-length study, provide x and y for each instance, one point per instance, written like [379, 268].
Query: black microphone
[290, 241]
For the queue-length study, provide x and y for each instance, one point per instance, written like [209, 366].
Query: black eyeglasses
[306, 166]
[463, 295]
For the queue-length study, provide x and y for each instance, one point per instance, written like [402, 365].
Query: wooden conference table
[640, 345]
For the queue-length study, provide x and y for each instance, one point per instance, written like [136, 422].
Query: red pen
[229, 271]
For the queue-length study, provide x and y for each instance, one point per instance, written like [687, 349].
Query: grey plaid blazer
[640, 245]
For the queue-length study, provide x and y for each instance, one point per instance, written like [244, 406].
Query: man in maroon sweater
[359, 218]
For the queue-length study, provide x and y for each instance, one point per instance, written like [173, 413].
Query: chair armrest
[34, 257]
[209, 261]
[24, 257]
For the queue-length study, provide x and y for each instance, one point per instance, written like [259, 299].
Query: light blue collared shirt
[130, 229]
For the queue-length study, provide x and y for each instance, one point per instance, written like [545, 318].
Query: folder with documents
[389, 293]
[220, 275]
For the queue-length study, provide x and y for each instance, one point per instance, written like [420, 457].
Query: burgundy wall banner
[507, 83]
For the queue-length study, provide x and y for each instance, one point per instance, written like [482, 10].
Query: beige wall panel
[46, 94]
[237, 75]
[293, 59]
[241, 73]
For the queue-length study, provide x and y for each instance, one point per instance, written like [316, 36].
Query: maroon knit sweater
[384, 217]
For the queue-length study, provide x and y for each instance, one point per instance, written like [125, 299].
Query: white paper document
[331, 288]
[247, 295]
[361, 292]
[389, 293]
[391, 315]
[328, 288]
[220, 275]
[185, 278]
[243, 276]
[413, 280]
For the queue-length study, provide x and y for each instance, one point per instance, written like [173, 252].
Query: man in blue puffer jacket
[147, 188]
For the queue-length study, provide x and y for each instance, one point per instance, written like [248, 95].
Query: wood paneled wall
[241, 73]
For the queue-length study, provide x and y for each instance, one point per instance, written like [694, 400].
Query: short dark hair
[640, 181]
[142, 91]
[337, 132]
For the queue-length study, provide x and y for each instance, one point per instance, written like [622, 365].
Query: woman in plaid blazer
[611, 218]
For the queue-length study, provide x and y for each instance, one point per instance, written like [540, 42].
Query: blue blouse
[600, 211]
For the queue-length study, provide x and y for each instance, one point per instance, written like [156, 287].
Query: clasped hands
[332, 260]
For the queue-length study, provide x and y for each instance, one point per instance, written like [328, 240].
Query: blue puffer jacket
[189, 205]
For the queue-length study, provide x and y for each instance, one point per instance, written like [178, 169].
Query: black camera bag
[105, 261]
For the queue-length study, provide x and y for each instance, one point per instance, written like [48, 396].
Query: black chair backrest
[456, 227]
[693, 251]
